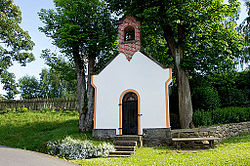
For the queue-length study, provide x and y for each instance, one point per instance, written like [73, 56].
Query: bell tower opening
[129, 33]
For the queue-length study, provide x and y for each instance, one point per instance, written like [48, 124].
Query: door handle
[139, 114]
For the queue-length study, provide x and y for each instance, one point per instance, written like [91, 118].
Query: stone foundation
[156, 137]
[163, 136]
[103, 134]
[151, 136]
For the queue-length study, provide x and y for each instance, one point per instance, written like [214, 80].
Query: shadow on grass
[33, 136]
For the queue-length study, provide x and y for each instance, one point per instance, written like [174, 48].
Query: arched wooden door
[130, 114]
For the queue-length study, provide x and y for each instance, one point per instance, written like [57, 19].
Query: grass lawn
[234, 151]
[31, 130]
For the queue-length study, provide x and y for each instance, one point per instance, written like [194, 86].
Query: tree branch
[168, 35]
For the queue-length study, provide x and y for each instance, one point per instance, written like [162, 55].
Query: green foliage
[244, 29]
[60, 79]
[84, 32]
[15, 44]
[225, 89]
[9, 84]
[200, 37]
[154, 43]
[205, 97]
[233, 97]
[79, 24]
[29, 87]
[202, 118]
[221, 116]
[231, 115]
[233, 87]
[2, 98]
[13, 110]
[57, 82]
[204, 29]
[61, 72]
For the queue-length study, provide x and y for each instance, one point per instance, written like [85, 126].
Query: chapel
[131, 92]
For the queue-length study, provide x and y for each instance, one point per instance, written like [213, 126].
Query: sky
[31, 22]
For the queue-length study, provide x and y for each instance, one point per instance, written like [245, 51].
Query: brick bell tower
[129, 36]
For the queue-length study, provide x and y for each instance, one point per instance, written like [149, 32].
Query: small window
[129, 34]
[130, 96]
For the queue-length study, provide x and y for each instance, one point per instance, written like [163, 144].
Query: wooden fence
[41, 104]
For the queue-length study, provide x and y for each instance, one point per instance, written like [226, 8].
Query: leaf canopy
[82, 23]
[205, 29]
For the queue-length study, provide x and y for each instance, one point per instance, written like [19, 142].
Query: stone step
[121, 153]
[128, 137]
[125, 143]
[136, 138]
[125, 148]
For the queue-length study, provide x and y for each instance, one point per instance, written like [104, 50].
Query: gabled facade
[131, 93]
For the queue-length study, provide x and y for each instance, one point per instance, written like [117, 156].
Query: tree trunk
[184, 92]
[81, 89]
[88, 123]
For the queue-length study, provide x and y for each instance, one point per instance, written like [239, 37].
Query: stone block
[161, 133]
[103, 134]
[156, 136]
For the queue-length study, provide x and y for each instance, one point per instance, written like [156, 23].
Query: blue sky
[31, 23]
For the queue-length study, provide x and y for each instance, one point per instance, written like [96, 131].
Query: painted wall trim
[94, 101]
[166, 95]
[120, 110]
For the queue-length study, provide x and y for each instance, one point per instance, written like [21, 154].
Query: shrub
[221, 116]
[22, 109]
[75, 149]
[18, 110]
[230, 115]
[202, 118]
[205, 97]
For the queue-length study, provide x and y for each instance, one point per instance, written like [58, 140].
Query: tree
[15, 44]
[8, 80]
[2, 98]
[244, 29]
[57, 82]
[83, 30]
[60, 79]
[51, 84]
[29, 87]
[200, 36]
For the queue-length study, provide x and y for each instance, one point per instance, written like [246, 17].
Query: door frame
[120, 110]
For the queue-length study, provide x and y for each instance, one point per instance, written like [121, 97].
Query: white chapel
[131, 92]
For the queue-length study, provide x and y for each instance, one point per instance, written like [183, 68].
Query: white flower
[76, 149]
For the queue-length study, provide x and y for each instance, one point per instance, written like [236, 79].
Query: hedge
[221, 116]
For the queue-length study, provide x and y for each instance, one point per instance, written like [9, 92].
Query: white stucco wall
[140, 74]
